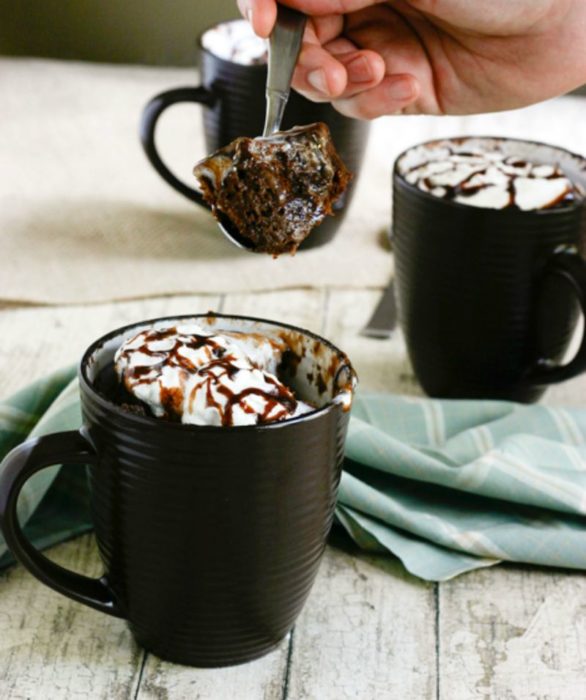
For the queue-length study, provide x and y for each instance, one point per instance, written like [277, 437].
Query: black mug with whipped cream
[489, 236]
[233, 73]
[214, 447]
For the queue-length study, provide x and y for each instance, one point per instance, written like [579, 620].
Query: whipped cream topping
[483, 175]
[235, 41]
[184, 373]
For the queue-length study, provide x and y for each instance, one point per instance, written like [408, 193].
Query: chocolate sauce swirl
[182, 373]
[487, 177]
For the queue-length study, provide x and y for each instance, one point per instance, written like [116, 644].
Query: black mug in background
[488, 299]
[211, 536]
[233, 97]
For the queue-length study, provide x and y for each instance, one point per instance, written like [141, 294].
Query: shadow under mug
[211, 537]
[233, 97]
[489, 299]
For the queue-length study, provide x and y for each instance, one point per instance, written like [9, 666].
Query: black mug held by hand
[233, 97]
[488, 299]
[211, 536]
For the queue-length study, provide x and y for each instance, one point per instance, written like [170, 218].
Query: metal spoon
[284, 48]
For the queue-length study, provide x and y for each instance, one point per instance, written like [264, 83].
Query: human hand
[376, 57]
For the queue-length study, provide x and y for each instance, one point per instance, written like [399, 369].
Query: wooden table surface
[369, 630]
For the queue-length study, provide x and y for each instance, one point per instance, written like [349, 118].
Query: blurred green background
[115, 31]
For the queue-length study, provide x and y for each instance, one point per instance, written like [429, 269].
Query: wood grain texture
[513, 633]
[367, 632]
[570, 393]
[299, 307]
[262, 679]
[382, 365]
[51, 647]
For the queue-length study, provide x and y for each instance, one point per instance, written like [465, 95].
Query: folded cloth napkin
[446, 486]
[53, 505]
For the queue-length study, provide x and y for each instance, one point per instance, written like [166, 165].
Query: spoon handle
[284, 48]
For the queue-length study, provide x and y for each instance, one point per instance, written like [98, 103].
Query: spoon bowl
[232, 234]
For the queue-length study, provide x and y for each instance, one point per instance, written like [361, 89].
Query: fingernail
[359, 70]
[317, 80]
[401, 89]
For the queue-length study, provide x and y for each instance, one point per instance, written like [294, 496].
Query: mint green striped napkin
[446, 486]
[53, 505]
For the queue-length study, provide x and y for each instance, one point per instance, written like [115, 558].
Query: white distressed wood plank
[513, 633]
[382, 365]
[569, 393]
[299, 307]
[262, 679]
[367, 631]
[52, 647]
[37, 341]
[573, 391]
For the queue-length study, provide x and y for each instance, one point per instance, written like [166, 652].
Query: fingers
[260, 13]
[333, 68]
[364, 68]
[318, 75]
[322, 77]
[392, 95]
[329, 7]
[336, 69]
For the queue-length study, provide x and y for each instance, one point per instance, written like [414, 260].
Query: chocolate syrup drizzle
[172, 398]
[461, 189]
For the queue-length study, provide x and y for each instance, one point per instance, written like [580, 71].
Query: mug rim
[572, 206]
[86, 385]
[203, 49]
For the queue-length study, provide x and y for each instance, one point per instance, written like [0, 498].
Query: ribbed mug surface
[211, 537]
[474, 303]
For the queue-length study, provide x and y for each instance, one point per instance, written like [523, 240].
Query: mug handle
[148, 124]
[569, 264]
[19, 465]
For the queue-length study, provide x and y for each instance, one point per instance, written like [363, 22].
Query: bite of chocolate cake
[274, 190]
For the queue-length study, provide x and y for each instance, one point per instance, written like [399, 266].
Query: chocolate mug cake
[489, 236]
[235, 41]
[211, 506]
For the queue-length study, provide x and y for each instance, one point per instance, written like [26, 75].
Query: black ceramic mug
[488, 299]
[211, 536]
[233, 97]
